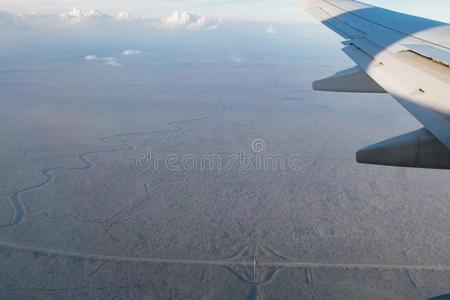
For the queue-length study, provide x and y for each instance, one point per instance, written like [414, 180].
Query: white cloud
[93, 17]
[106, 60]
[189, 21]
[130, 52]
[85, 18]
[90, 57]
[79, 17]
[125, 16]
[112, 63]
[271, 30]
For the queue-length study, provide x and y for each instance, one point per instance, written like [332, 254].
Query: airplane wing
[405, 56]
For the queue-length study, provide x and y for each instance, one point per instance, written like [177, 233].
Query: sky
[98, 32]
[276, 11]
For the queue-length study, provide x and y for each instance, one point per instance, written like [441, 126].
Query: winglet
[353, 80]
[418, 149]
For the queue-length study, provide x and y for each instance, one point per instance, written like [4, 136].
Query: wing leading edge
[405, 56]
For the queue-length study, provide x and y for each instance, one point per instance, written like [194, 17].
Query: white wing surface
[405, 56]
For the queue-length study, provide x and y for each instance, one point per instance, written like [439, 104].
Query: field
[87, 213]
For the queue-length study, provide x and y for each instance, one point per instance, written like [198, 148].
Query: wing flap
[418, 92]
[435, 53]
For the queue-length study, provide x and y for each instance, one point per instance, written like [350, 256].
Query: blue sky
[248, 10]
[244, 28]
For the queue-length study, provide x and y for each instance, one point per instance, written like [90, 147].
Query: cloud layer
[82, 18]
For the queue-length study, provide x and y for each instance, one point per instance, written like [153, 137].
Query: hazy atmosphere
[176, 150]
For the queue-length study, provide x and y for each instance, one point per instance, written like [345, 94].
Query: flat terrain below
[117, 184]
